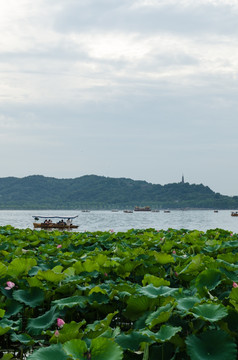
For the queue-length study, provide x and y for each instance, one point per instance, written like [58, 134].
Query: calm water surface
[120, 221]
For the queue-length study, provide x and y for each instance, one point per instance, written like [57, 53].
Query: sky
[141, 89]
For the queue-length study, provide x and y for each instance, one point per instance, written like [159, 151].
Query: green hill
[99, 192]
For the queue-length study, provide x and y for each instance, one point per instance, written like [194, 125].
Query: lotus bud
[235, 285]
[60, 323]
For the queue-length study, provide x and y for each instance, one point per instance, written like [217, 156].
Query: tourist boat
[65, 222]
[146, 208]
[234, 213]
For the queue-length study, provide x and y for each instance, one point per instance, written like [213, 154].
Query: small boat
[65, 222]
[155, 210]
[215, 211]
[234, 213]
[85, 210]
[128, 211]
[166, 211]
[146, 208]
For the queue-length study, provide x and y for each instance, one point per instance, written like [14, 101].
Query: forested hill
[98, 192]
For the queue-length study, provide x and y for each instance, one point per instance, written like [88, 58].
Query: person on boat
[68, 222]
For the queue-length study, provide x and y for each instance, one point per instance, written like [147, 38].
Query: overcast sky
[142, 89]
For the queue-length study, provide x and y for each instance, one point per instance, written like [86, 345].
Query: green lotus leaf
[68, 332]
[7, 356]
[3, 270]
[234, 295]
[50, 275]
[2, 313]
[231, 275]
[187, 303]
[211, 345]
[153, 292]
[43, 322]
[12, 308]
[136, 306]
[76, 348]
[22, 338]
[34, 282]
[50, 353]
[163, 258]
[99, 326]
[100, 349]
[159, 316]
[105, 349]
[165, 333]
[210, 312]
[90, 265]
[58, 269]
[4, 329]
[194, 266]
[154, 280]
[98, 298]
[34, 297]
[97, 289]
[70, 271]
[70, 302]
[20, 266]
[101, 259]
[132, 341]
[209, 279]
[6, 325]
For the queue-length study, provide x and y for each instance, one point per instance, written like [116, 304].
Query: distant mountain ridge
[99, 192]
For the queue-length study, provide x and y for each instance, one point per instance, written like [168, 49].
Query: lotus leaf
[187, 303]
[50, 275]
[163, 258]
[210, 312]
[20, 266]
[3, 270]
[159, 316]
[43, 322]
[22, 338]
[68, 332]
[165, 333]
[153, 292]
[132, 340]
[50, 353]
[154, 280]
[209, 279]
[211, 345]
[34, 297]
[71, 302]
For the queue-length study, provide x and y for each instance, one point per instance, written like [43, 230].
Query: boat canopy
[36, 217]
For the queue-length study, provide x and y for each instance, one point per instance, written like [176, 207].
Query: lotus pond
[141, 294]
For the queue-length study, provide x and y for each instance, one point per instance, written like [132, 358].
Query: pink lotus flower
[176, 274]
[174, 252]
[59, 246]
[60, 323]
[10, 285]
[235, 285]
[105, 274]
[56, 333]
[111, 231]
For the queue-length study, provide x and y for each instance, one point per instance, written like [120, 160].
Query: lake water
[120, 221]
